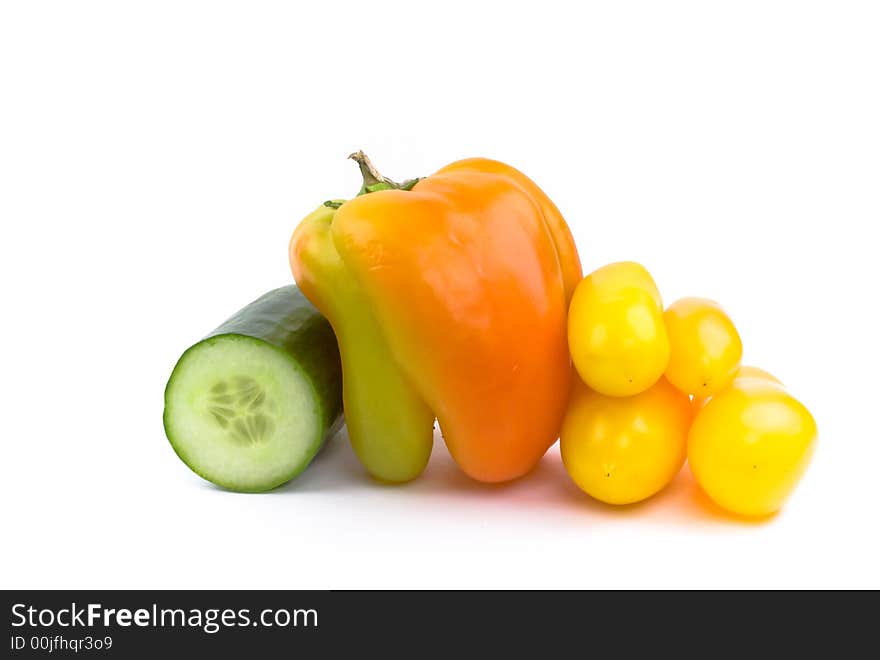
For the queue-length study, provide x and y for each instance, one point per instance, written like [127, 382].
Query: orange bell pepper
[449, 298]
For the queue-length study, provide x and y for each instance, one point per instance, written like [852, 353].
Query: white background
[155, 158]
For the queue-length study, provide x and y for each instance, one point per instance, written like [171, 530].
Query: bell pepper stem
[368, 171]
[373, 180]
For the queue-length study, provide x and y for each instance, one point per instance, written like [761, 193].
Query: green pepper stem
[368, 171]
[373, 180]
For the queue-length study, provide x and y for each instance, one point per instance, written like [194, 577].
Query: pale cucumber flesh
[248, 409]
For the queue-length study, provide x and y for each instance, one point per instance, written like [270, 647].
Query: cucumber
[250, 405]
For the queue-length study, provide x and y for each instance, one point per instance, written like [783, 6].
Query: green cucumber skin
[287, 321]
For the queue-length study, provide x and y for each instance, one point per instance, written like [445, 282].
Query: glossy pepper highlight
[449, 297]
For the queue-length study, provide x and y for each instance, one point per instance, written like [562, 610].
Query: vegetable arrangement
[459, 298]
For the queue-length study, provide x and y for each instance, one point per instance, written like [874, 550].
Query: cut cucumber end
[242, 414]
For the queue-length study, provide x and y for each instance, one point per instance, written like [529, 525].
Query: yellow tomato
[705, 347]
[616, 333]
[756, 373]
[749, 446]
[744, 373]
[622, 450]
